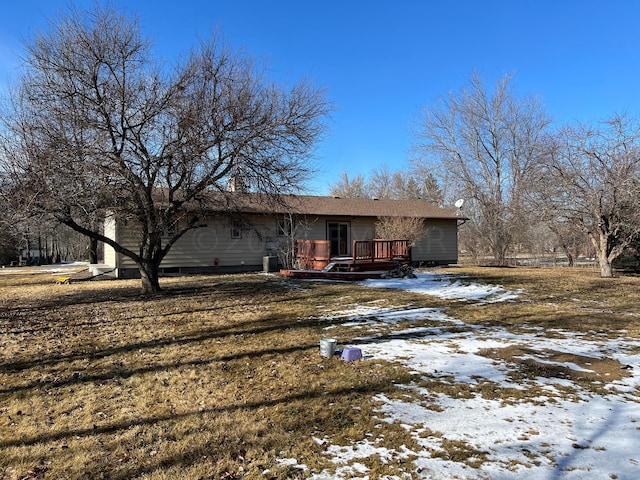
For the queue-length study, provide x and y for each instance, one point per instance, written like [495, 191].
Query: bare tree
[409, 228]
[438, 188]
[291, 228]
[98, 128]
[570, 238]
[591, 180]
[32, 234]
[380, 183]
[9, 237]
[488, 142]
[349, 187]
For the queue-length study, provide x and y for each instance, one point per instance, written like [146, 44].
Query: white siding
[110, 232]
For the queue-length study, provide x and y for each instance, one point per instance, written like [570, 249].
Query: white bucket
[328, 347]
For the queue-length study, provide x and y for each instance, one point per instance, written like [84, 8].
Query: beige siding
[212, 246]
[208, 246]
[127, 237]
[440, 245]
[363, 229]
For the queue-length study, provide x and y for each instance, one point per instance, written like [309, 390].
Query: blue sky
[382, 61]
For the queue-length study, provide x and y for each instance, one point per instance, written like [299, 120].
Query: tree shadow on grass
[249, 327]
[327, 394]
[76, 378]
[586, 441]
[565, 459]
[40, 315]
[263, 325]
[120, 291]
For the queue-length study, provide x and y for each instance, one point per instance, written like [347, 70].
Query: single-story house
[239, 239]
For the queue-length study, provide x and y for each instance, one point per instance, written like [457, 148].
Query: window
[284, 227]
[236, 228]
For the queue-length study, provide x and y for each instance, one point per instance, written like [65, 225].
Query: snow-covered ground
[553, 435]
[65, 267]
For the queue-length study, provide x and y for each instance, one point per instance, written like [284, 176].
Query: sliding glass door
[338, 234]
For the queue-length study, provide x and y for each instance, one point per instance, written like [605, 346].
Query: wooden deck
[369, 259]
[334, 275]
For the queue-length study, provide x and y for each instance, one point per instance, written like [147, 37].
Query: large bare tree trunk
[150, 278]
[606, 270]
[93, 250]
[590, 179]
[600, 243]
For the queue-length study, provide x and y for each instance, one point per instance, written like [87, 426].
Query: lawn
[467, 373]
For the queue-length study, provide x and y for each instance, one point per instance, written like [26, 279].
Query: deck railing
[379, 250]
[315, 254]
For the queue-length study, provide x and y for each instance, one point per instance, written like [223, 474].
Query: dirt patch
[554, 364]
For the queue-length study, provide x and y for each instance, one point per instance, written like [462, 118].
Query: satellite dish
[459, 203]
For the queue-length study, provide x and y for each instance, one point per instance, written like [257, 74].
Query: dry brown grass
[216, 378]
[220, 376]
[576, 299]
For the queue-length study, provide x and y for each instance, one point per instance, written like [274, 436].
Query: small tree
[570, 238]
[98, 128]
[409, 228]
[346, 187]
[292, 228]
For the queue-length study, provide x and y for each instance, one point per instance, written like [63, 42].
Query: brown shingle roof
[333, 206]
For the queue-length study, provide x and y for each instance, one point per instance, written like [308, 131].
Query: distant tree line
[29, 239]
[413, 183]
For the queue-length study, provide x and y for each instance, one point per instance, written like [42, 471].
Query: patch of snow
[569, 365]
[448, 287]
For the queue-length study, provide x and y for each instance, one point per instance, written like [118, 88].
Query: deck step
[329, 267]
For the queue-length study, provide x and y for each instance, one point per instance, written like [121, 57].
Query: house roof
[337, 206]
